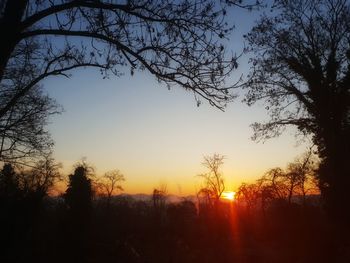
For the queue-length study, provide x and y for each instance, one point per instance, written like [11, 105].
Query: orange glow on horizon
[228, 195]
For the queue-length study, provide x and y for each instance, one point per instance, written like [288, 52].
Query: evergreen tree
[78, 196]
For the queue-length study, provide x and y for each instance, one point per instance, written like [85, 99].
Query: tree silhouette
[302, 172]
[214, 184]
[78, 195]
[10, 204]
[278, 186]
[301, 70]
[78, 198]
[42, 177]
[22, 128]
[273, 186]
[297, 180]
[176, 41]
[159, 202]
[111, 183]
[159, 197]
[9, 183]
[179, 42]
[22, 204]
[36, 181]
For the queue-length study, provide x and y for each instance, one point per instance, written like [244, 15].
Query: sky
[157, 136]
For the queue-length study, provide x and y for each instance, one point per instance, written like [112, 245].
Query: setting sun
[228, 195]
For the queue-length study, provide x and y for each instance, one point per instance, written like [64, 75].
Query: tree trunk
[335, 179]
[10, 30]
[333, 140]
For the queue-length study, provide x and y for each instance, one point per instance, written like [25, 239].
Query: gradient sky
[158, 136]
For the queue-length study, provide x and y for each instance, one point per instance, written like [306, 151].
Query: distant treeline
[77, 227]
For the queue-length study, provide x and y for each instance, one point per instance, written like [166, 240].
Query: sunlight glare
[228, 195]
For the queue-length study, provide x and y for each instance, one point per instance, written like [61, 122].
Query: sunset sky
[158, 136]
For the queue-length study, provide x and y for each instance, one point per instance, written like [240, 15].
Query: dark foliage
[78, 196]
[301, 70]
[79, 229]
[22, 211]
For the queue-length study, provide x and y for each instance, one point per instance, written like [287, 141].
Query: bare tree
[273, 183]
[303, 174]
[214, 184]
[179, 42]
[35, 182]
[176, 41]
[249, 195]
[22, 128]
[42, 177]
[297, 180]
[131, 29]
[282, 186]
[111, 183]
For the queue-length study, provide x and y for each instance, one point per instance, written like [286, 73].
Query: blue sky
[154, 135]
